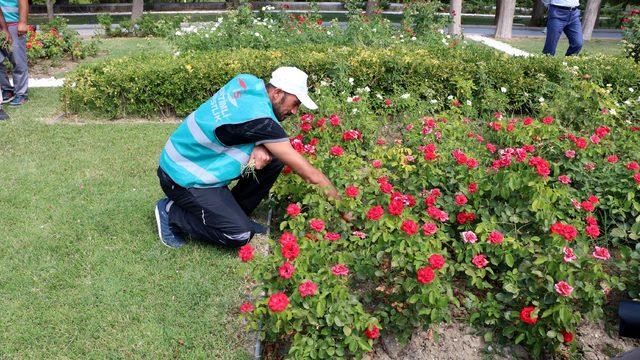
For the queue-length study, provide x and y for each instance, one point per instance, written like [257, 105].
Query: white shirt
[568, 3]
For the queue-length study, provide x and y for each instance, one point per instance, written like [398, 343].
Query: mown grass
[535, 45]
[82, 274]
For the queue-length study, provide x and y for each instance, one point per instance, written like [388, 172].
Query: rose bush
[449, 212]
[56, 41]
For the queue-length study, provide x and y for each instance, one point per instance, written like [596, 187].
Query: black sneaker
[7, 95]
[167, 235]
[3, 115]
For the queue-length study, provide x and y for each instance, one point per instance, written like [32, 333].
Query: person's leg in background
[208, 214]
[7, 88]
[573, 30]
[20, 67]
[556, 21]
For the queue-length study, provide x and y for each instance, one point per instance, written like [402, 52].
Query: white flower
[450, 97]
[374, 30]
[379, 96]
[405, 96]
[630, 89]
[541, 99]
[257, 34]
[73, 84]
[612, 111]
[351, 80]
[627, 102]
[324, 83]
[354, 111]
[413, 38]
[609, 85]
[469, 102]
[503, 89]
[564, 63]
[445, 42]
[350, 99]
[433, 101]
[177, 53]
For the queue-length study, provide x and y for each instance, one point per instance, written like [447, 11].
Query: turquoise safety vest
[10, 10]
[194, 157]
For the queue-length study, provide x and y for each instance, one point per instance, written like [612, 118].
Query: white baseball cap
[294, 81]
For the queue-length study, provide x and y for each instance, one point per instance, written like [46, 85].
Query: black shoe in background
[3, 115]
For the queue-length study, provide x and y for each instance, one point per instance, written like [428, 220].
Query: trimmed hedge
[147, 85]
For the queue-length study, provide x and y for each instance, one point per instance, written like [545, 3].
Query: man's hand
[261, 156]
[22, 28]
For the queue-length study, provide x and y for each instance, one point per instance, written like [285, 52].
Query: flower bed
[56, 41]
[523, 223]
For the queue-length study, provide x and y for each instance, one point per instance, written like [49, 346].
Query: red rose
[461, 199]
[436, 261]
[351, 135]
[636, 177]
[409, 227]
[472, 163]
[593, 199]
[496, 237]
[286, 270]
[386, 188]
[525, 315]
[287, 238]
[581, 143]
[396, 207]
[334, 120]
[278, 302]
[587, 206]
[290, 251]
[425, 275]
[316, 224]
[376, 164]
[527, 121]
[492, 148]
[567, 337]
[320, 122]
[307, 288]
[332, 236]
[429, 229]
[351, 191]
[592, 231]
[633, 166]
[547, 120]
[245, 252]
[340, 270]
[375, 213]
[306, 127]
[293, 210]
[473, 187]
[319, 21]
[388, 102]
[246, 307]
[568, 232]
[337, 151]
[480, 261]
[464, 217]
[372, 332]
[612, 159]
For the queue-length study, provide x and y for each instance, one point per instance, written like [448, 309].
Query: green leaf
[346, 330]
[508, 259]
[551, 334]
[519, 338]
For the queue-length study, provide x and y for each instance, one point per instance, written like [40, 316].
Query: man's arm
[285, 152]
[23, 9]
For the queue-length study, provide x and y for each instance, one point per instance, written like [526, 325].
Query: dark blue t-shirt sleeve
[257, 131]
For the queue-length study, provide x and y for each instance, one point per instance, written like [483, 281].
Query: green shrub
[631, 34]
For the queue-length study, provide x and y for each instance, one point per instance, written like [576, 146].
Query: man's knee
[237, 239]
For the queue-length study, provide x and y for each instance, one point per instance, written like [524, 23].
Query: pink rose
[563, 288]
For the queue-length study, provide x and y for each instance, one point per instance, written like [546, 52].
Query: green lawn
[82, 273]
[593, 47]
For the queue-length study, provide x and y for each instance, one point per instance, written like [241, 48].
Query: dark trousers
[559, 20]
[219, 215]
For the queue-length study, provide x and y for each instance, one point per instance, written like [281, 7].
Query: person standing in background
[5, 45]
[563, 16]
[15, 13]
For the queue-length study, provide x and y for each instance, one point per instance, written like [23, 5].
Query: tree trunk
[589, 18]
[50, 9]
[537, 15]
[505, 20]
[136, 10]
[456, 11]
[371, 5]
[495, 18]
